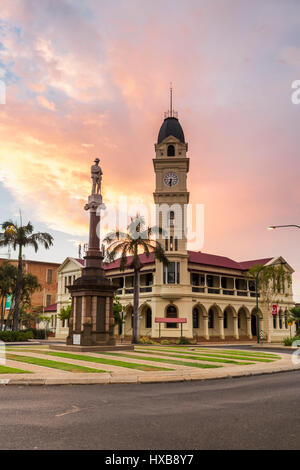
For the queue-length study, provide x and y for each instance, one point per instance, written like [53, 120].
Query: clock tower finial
[171, 113]
[171, 100]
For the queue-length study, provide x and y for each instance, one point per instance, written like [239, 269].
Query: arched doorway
[242, 322]
[228, 323]
[128, 321]
[214, 314]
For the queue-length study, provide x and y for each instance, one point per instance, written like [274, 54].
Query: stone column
[235, 328]
[205, 327]
[221, 328]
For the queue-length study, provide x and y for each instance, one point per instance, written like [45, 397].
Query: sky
[90, 78]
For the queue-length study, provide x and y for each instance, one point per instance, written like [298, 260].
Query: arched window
[274, 322]
[195, 318]
[239, 320]
[171, 151]
[210, 318]
[171, 313]
[148, 318]
[280, 319]
[171, 217]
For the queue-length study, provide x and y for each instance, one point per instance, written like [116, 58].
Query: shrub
[37, 334]
[146, 340]
[289, 341]
[15, 336]
[165, 341]
[183, 340]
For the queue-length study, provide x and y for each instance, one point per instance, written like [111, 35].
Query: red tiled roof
[116, 264]
[198, 257]
[248, 264]
[195, 257]
[51, 308]
[79, 260]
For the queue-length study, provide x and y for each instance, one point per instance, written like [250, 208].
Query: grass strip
[12, 370]
[216, 354]
[53, 364]
[229, 351]
[244, 353]
[111, 362]
[198, 357]
[163, 359]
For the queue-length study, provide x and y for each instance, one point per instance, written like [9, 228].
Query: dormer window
[171, 151]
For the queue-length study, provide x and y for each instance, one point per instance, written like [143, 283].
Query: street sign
[8, 302]
[274, 309]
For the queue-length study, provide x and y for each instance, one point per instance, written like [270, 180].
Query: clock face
[171, 179]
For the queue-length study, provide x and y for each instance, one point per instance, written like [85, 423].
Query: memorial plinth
[91, 323]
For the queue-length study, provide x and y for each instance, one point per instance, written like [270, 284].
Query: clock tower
[171, 196]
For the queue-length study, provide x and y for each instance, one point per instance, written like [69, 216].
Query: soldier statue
[96, 177]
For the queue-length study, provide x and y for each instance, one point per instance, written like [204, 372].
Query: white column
[235, 327]
[221, 328]
[205, 327]
[249, 333]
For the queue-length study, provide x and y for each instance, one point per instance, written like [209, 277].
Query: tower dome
[171, 126]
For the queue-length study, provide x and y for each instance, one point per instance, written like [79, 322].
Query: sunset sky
[88, 78]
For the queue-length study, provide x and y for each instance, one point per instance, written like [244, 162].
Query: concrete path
[115, 374]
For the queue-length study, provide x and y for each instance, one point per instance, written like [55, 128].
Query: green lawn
[241, 353]
[162, 359]
[226, 358]
[12, 370]
[196, 357]
[98, 360]
[53, 364]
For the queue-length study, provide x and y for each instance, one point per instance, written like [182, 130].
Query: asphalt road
[259, 412]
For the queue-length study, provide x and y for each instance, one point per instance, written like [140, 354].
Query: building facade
[46, 274]
[214, 295]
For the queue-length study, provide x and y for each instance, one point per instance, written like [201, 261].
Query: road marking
[74, 410]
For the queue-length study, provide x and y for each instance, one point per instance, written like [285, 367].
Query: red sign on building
[274, 309]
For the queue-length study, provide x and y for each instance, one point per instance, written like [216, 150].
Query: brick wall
[41, 269]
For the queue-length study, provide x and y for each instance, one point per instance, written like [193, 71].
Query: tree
[270, 283]
[19, 237]
[295, 315]
[46, 320]
[136, 241]
[117, 309]
[8, 275]
[29, 285]
[65, 313]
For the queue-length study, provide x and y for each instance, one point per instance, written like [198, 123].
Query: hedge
[14, 336]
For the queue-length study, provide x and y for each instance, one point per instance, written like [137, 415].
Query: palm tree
[295, 316]
[19, 237]
[136, 241]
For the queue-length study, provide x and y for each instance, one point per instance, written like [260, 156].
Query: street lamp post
[257, 310]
